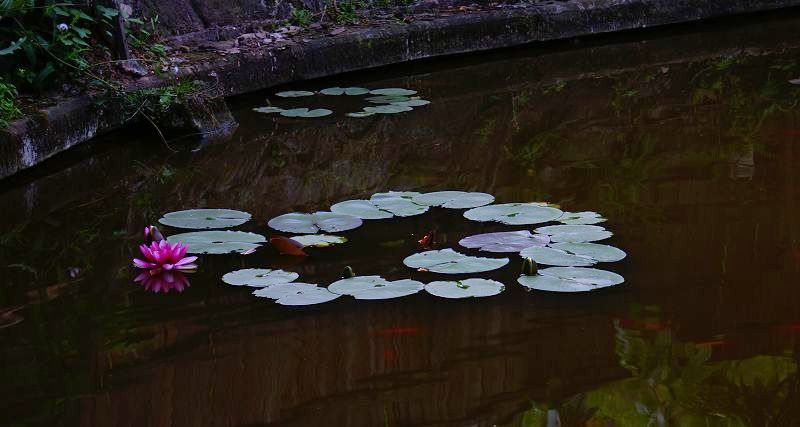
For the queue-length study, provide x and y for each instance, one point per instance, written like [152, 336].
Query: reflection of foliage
[674, 383]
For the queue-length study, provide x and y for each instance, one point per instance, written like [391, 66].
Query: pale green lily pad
[575, 233]
[552, 284]
[393, 91]
[280, 290]
[602, 253]
[303, 223]
[352, 91]
[294, 93]
[363, 209]
[514, 213]
[306, 113]
[454, 199]
[449, 261]
[581, 218]
[205, 218]
[388, 99]
[412, 102]
[258, 277]
[504, 241]
[387, 109]
[319, 240]
[465, 288]
[218, 242]
[308, 296]
[550, 256]
[586, 276]
[268, 110]
[359, 114]
[398, 203]
[375, 287]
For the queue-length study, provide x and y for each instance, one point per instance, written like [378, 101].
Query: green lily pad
[399, 203]
[352, 91]
[306, 113]
[387, 109]
[303, 223]
[388, 99]
[280, 290]
[268, 110]
[375, 287]
[258, 277]
[218, 242]
[601, 253]
[393, 91]
[504, 241]
[514, 213]
[412, 102]
[363, 209]
[586, 276]
[319, 240]
[359, 114]
[552, 284]
[449, 261]
[581, 218]
[550, 256]
[307, 296]
[205, 218]
[294, 93]
[575, 233]
[465, 288]
[454, 199]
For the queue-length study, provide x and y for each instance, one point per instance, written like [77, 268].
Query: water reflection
[163, 282]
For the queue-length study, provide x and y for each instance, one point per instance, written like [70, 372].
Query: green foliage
[302, 17]
[8, 106]
[346, 12]
[157, 101]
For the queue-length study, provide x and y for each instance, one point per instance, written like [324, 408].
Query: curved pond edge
[35, 138]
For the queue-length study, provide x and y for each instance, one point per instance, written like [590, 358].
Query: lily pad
[454, 199]
[268, 110]
[218, 242]
[307, 296]
[514, 213]
[575, 233]
[352, 91]
[398, 203]
[205, 218]
[552, 284]
[387, 109]
[303, 223]
[280, 290]
[465, 288]
[504, 241]
[319, 240]
[294, 93]
[412, 102]
[586, 276]
[360, 114]
[601, 253]
[258, 277]
[581, 218]
[375, 287]
[449, 261]
[384, 99]
[550, 256]
[393, 91]
[363, 209]
[306, 113]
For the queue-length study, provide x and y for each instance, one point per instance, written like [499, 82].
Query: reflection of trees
[675, 383]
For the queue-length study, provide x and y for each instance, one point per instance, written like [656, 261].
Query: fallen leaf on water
[287, 246]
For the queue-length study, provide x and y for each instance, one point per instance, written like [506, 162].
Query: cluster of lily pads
[387, 101]
[568, 248]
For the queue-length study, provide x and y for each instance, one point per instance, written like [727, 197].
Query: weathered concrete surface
[31, 140]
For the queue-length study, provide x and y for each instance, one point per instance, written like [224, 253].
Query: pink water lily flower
[163, 282]
[151, 233]
[164, 256]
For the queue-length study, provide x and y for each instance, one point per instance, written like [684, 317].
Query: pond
[686, 140]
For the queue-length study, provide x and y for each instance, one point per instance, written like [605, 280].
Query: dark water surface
[687, 141]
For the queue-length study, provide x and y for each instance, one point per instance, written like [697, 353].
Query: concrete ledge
[33, 139]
